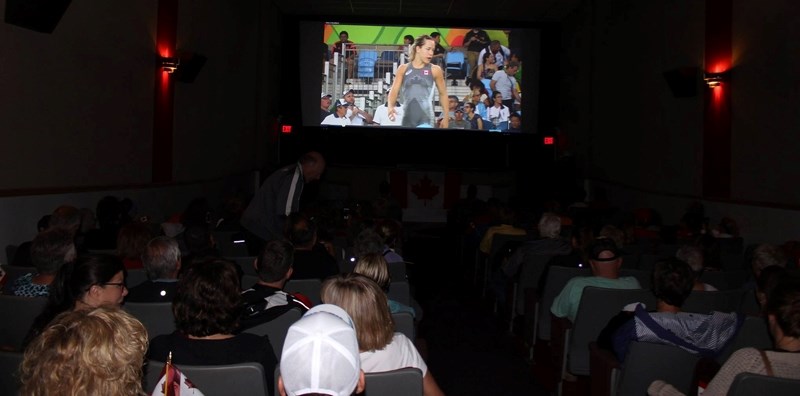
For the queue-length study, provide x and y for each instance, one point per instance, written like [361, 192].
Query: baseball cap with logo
[601, 245]
[342, 102]
[320, 353]
[324, 95]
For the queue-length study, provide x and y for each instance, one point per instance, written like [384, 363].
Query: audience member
[475, 40]
[90, 281]
[110, 218]
[766, 255]
[693, 256]
[499, 112]
[279, 195]
[199, 244]
[381, 349]
[320, 355]
[501, 54]
[357, 116]
[338, 117]
[374, 266]
[162, 262]
[487, 67]
[325, 106]
[266, 300]
[86, 352]
[605, 260]
[507, 219]
[474, 119]
[346, 48]
[311, 260]
[503, 81]
[701, 334]
[549, 243]
[459, 122]
[49, 251]
[67, 217]
[438, 50]
[381, 116]
[514, 122]
[131, 243]
[207, 309]
[390, 232]
[783, 318]
[22, 257]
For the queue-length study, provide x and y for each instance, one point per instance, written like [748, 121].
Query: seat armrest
[602, 363]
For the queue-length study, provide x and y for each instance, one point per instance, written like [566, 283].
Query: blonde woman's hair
[366, 304]
[374, 266]
[418, 43]
[86, 352]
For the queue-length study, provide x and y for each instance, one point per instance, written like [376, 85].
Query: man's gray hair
[549, 225]
[691, 255]
[766, 255]
[161, 257]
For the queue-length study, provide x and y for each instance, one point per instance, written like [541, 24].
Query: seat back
[245, 263]
[241, 379]
[557, 277]
[749, 384]
[18, 316]
[529, 273]
[725, 280]
[155, 316]
[366, 63]
[597, 307]
[11, 251]
[276, 329]
[307, 287]
[647, 362]
[9, 372]
[707, 301]
[404, 323]
[400, 292]
[754, 333]
[12, 273]
[401, 382]
[135, 277]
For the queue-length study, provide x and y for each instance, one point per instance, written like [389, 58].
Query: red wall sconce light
[714, 80]
[169, 65]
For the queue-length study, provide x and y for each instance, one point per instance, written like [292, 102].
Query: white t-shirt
[334, 120]
[400, 353]
[382, 116]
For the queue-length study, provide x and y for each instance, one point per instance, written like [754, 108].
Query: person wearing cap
[356, 115]
[381, 348]
[381, 117]
[320, 355]
[605, 260]
[339, 115]
[414, 82]
[279, 195]
[460, 122]
[324, 106]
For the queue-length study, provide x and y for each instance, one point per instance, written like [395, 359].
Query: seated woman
[374, 266]
[89, 282]
[207, 308]
[783, 318]
[381, 349]
[698, 333]
[90, 352]
[49, 250]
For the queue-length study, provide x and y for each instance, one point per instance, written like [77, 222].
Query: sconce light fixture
[169, 65]
[714, 80]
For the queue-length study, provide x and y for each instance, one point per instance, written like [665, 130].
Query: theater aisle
[469, 350]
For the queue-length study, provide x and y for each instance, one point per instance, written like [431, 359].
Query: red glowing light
[549, 141]
[286, 129]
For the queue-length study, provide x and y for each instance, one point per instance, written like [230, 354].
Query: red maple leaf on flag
[425, 190]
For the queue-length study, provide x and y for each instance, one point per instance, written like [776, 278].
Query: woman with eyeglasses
[91, 281]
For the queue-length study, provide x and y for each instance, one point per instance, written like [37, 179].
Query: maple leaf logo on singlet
[425, 190]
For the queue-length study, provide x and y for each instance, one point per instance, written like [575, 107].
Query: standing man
[279, 195]
[347, 48]
[475, 40]
[503, 81]
[438, 51]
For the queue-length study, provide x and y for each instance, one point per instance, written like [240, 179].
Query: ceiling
[494, 10]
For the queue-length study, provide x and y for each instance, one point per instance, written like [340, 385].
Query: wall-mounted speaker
[39, 15]
[683, 81]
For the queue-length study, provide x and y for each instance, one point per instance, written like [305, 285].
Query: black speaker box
[682, 81]
[39, 15]
[191, 64]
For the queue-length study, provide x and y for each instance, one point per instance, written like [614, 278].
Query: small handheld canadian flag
[172, 382]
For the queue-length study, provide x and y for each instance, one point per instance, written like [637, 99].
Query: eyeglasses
[117, 284]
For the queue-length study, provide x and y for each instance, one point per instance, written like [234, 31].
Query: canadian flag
[425, 195]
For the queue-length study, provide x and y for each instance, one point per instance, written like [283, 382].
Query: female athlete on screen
[414, 83]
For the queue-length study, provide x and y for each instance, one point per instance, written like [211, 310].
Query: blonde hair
[418, 43]
[374, 266]
[86, 352]
[366, 304]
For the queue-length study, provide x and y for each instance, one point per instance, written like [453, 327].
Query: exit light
[548, 140]
[286, 129]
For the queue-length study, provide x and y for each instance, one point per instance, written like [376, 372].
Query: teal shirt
[566, 303]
